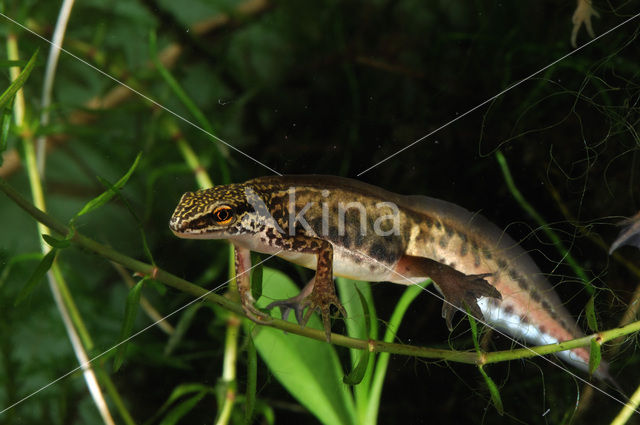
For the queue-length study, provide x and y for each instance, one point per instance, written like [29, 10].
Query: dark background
[333, 88]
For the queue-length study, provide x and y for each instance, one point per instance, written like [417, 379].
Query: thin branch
[467, 357]
[49, 76]
[57, 284]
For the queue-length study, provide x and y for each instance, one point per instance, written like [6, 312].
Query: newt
[344, 227]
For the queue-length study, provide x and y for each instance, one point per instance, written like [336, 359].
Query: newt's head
[211, 213]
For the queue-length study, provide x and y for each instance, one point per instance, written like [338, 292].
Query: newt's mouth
[190, 234]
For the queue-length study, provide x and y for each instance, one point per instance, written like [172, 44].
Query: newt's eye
[223, 214]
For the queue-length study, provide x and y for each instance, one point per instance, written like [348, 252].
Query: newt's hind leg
[460, 291]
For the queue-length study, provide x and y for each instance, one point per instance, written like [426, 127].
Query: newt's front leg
[320, 293]
[242, 258]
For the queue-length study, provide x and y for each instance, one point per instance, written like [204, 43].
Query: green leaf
[362, 320]
[355, 376]
[493, 390]
[595, 356]
[365, 308]
[592, 320]
[143, 238]
[361, 323]
[130, 312]
[182, 409]
[252, 378]
[256, 277]
[42, 268]
[264, 411]
[19, 82]
[5, 126]
[103, 198]
[56, 243]
[182, 390]
[308, 369]
[474, 330]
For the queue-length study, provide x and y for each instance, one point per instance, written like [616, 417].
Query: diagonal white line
[142, 95]
[85, 364]
[481, 320]
[514, 85]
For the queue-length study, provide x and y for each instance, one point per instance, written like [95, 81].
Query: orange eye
[223, 214]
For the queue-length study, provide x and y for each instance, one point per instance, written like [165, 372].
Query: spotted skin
[342, 227]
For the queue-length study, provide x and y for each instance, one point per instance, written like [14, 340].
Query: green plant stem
[252, 377]
[468, 357]
[229, 369]
[74, 325]
[49, 77]
[115, 396]
[628, 409]
[192, 160]
[410, 294]
[566, 255]
[37, 193]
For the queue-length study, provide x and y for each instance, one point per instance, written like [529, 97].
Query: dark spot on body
[535, 295]
[525, 319]
[444, 241]
[464, 249]
[513, 274]
[298, 244]
[316, 225]
[508, 309]
[438, 225]
[448, 230]
[502, 264]
[452, 264]
[486, 252]
[522, 284]
[377, 250]
[542, 329]
[546, 305]
[359, 239]
[476, 255]
[333, 233]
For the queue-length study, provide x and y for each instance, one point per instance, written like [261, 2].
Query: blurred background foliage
[327, 87]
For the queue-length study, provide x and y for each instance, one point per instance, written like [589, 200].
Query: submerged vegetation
[155, 98]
